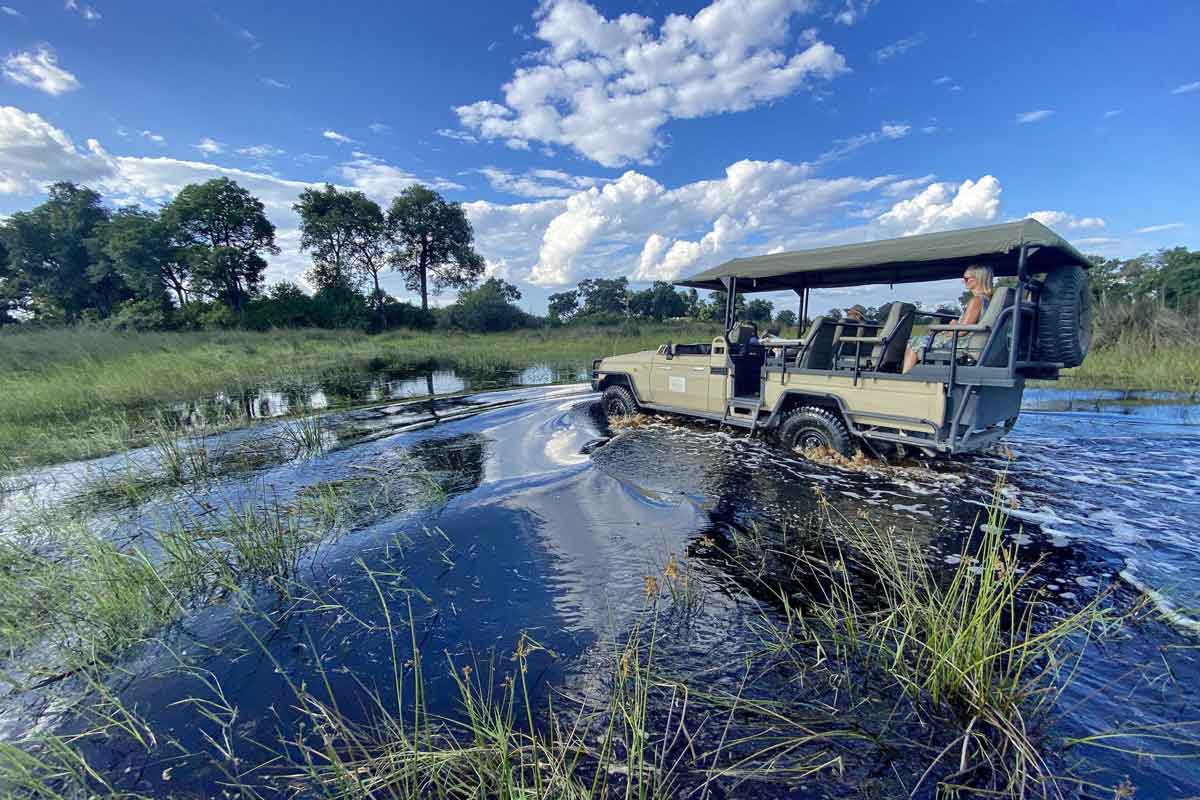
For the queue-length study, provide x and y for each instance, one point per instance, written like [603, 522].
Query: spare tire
[1064, 317]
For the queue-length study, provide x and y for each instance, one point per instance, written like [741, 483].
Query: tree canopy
[225, 231]
[433, 242]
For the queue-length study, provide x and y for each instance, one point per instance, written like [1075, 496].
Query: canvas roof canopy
[909, 259]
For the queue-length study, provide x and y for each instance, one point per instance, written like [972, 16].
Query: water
[550, 523]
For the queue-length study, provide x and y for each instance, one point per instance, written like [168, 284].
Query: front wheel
[617, 401]
[809, 426]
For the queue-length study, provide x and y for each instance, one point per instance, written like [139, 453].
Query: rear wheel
[617, 401]
[809, 426]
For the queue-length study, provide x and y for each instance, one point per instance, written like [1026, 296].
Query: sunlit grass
[81, 392]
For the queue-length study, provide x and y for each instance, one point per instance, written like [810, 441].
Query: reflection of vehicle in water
[842, 383]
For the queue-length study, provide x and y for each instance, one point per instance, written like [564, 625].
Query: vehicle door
[720, 376]
[680, 381]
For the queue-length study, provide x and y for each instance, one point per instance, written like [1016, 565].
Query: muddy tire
[617, 401]
[1064, 323]
[809, 426]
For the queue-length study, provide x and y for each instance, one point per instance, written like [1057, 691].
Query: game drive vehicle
[841, 383]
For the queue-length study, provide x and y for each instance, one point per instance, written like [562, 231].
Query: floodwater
[547, 523]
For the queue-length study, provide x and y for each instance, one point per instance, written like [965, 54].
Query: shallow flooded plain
[345, 603]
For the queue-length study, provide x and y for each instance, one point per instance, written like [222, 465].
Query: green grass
[81, 392]
[1133, 365]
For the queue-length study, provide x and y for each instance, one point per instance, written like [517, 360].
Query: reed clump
[974, 647]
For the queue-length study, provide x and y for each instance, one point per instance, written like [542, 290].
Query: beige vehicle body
[960, 398]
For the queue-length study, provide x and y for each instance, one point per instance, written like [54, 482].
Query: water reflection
[283, 397]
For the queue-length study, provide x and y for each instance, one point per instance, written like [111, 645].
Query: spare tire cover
[1065, 317]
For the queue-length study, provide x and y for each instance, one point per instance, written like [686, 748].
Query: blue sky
[640, 139]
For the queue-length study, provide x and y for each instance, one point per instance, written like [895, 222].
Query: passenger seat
[816, 351]
[888, 346]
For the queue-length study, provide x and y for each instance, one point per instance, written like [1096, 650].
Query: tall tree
[55, 256]
[142, 249]
[225, 231]
[563, 305]
[9, 295]
[759, 310]
[327, 226]
[433, 242]
[604, 295]
[369, 247]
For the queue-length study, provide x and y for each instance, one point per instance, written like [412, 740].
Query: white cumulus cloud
[1187, 88]
[340, 138]
[853, 11]
[605, 87]
[537, 182]
[39, 69]
[944, 206]
[34, 154]
[209, 146]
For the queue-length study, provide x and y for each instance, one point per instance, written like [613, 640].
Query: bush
[285, 306]
[405, 315]
[488, 308]
[140, 315]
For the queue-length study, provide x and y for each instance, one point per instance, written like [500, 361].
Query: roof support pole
[1015, 328]
[730, 302]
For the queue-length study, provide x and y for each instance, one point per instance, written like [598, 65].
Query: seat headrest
[743, 332]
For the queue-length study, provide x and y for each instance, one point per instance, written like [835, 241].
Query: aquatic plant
[304, 435]
[973, 648]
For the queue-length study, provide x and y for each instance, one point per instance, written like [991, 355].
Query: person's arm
[972, 313]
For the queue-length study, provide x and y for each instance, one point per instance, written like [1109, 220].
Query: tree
[563, 305]
[691, 300]
[488, 308]
[348, 236]
[56, 264]
[714, 310]
[7, 285]
[834, 313]
[786, 318]
[327, 225]
[759, 310]
[604, 295]
[142, 250]
[225, 232]
[659, 302]
[432, 237]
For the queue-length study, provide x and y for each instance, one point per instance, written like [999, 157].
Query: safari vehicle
[841, 384]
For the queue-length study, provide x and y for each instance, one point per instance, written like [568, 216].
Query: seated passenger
[856, 313]
[978, 280]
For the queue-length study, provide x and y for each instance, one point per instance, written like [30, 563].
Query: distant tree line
[200, 260]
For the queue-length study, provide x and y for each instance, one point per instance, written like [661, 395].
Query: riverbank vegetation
[862, 653]
[81, 391]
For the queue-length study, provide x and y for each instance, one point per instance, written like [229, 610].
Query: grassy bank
[1133, 365]
[75, 393]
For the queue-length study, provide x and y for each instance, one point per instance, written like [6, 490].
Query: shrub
[140, 315]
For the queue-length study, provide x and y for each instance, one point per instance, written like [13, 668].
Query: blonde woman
[977, 279]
